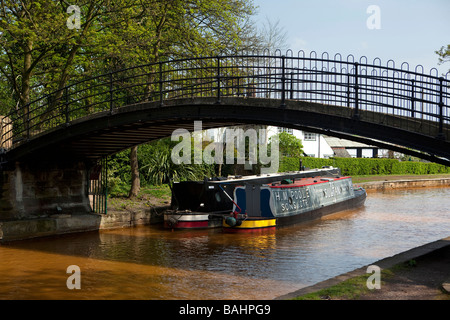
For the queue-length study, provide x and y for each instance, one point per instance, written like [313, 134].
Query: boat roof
[274, 177]
[306, 182]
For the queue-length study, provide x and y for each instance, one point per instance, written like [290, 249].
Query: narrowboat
[250, 203]
[266, 206]
[198, 204]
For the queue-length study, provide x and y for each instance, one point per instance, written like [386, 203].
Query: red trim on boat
[309, 182]
[189, 224]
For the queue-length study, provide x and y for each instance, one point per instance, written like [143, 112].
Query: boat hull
[247, 226]
[252, 225]
[191, 221]
[357, 201]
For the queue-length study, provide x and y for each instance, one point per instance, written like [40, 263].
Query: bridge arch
[393, 108]
[104, 133]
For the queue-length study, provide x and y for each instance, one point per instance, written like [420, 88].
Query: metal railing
[340, 82]
[97, 188]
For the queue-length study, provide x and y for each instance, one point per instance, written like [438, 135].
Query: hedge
[364, 166]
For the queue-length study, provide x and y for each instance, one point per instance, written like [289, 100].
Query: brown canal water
[149, 262]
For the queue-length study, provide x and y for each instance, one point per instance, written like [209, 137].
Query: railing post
[441, 110]
[218, 80]
[28, 121]
[413, 99]
[111, 105]
[292, 86]
[161, 98]
[356, 113]
[67, 105]
[238, 79]
[283, 82]
[348, 90]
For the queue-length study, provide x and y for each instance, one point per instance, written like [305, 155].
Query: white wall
[310, 147]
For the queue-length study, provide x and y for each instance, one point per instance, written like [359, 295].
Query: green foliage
[349, 289]
[364, 166]
[40, 54]
[293, 164]
[161, 169]
[289, 145]
[444, 54]
[155, 167]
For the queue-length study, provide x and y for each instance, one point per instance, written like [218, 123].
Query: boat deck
[305, 182]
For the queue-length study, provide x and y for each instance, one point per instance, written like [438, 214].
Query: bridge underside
[102, 134]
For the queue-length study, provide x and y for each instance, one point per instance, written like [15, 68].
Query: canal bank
[59, 224]
[421, 273]
[117, 217]
[380, 186]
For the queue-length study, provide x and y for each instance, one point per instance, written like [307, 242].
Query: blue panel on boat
[241, 199]
[265, 203]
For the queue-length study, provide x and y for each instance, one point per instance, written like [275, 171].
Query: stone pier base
[49, 226]
[30, 191]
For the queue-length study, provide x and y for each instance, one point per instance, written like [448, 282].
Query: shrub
[364, 166]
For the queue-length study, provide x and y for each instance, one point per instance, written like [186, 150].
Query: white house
[314, 145]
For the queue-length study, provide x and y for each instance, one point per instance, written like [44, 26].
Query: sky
[402, 31]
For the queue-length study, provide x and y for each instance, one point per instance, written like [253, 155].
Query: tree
[289, 145]
[184, 28]
[135, 179]
[39, 54]
[444, 54]
[37, 49]
[272, 36]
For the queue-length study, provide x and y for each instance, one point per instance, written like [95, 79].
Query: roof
[334, 142]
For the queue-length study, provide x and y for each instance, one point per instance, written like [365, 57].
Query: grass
[149, 196]
[162, 191]
[349, 289]
[354, 288]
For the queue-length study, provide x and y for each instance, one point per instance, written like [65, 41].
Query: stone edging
[383, 264]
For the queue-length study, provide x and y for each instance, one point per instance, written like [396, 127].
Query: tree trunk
[26, 84]
[135, 180]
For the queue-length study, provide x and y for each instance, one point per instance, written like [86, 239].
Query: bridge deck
[382, 105]
[103, 133]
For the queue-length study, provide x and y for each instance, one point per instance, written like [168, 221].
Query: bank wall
[376, 186]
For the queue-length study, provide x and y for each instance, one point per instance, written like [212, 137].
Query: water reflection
[153, 263]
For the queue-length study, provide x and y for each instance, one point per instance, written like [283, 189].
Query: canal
[149, 262]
